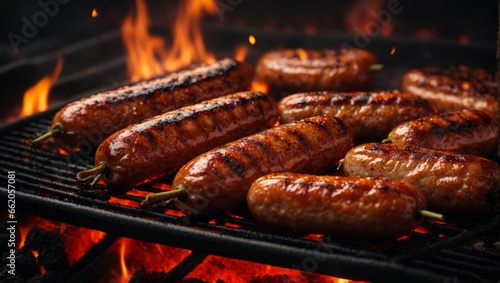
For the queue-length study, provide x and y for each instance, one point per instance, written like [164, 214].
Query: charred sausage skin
[289, 71]
[372, 115]
[345, 206]
[90, 120]
[467, 132]
[452, 183]
[219, 179]
[162, 144]
[454, 88]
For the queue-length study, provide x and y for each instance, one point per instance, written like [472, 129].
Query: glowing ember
[252, 40]
[215, 269]
[421, 230]
[36, 97]
[148, 55]
[124, 202]
[94, 13]
[393, 50]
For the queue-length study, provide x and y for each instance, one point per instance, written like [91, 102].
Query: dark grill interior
[46, 187]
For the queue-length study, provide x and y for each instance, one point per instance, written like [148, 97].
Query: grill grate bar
[457, 274]
[47, 173]
[471, 258]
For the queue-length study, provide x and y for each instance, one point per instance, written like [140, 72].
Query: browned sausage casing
[91, 120]
[161, 145]
[452, 183]
[219, 179]
[372, 115]
[454, 88]
[346, 206]
[468, 132]
[293, 70]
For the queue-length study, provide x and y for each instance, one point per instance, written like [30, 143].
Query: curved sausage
[87, 122]
[219, 179]
[162, 144]
[454, 183]
[467, 132]
[454, 88]
[372, 115]
[288, 71]
[345, 206]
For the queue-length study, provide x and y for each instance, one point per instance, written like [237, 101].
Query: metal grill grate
[45, 186]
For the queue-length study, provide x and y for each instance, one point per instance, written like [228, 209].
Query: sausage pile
[401, 153]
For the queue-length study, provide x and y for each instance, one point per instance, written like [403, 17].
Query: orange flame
[252, 39]
[142, 48]
[302, 54]
[241, 52]
[36, 97]
[133, 255]
[94, 13]
[123, 263]
[148, 55]
[259, 86]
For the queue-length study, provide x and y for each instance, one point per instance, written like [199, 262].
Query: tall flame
[125, 273]
[148, 55]
[36, 98]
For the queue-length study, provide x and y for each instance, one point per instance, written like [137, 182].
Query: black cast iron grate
[460, 250]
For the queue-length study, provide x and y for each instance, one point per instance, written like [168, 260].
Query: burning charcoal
[272, 279]
[26, 264]
[56, 244]
[192, 280]
[50, 247]
[51, 276]
[142, 276]
[5, 277]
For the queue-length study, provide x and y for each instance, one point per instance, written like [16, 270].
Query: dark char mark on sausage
[173, 83]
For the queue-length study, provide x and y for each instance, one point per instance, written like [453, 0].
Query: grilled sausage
[162, 144]
[288, 71]
[372, 115]
[454, 88]
[345, 206]
[452, 183]
[467, 131]
[219, 179]
[87, 122]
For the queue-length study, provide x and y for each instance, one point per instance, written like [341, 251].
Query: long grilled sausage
[162, 144]
[452, 183]
[87, 122]
[219, 179]
[345, 206]
[467, 131]
[454, 88]
[289, 71]
[372, 115]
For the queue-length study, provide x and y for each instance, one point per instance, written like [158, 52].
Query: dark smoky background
[67, 21]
